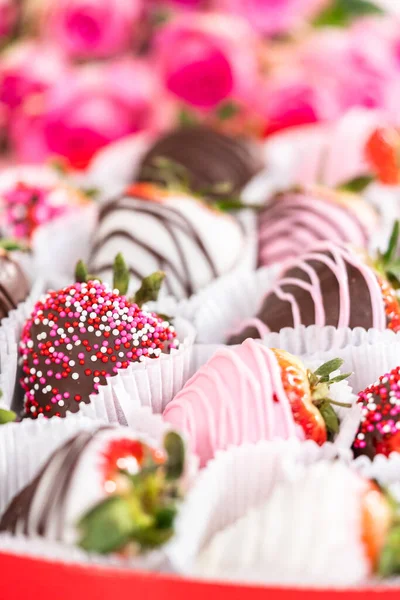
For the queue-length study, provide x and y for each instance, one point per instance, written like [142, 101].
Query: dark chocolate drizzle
[209, 158]
[172, 220]
[19, 517]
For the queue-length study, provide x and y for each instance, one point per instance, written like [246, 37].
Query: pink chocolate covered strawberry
[249, 393]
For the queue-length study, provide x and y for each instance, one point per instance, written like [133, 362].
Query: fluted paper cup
[221, 307]
[236, 480]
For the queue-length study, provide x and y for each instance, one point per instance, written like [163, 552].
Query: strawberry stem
[334, 402]
[388, 263]
[319, 382]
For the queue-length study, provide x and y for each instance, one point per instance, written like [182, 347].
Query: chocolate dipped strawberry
[250, 393]
[298, 218]
[106, 491]
[167, 229]
[327, 526]
[379, 431]
[331, 285]
[78, 337]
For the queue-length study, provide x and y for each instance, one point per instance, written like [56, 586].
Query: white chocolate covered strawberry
[327, 526]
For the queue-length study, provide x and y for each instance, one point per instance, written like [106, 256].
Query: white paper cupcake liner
[236, 480]
[222, 306]
[366, 362]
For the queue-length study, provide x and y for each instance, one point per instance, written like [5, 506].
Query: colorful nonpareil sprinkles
[79, 336]
[380, 419]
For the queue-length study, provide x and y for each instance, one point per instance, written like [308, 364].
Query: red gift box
[23, 578]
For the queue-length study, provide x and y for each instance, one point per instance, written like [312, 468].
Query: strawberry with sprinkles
[81, 335]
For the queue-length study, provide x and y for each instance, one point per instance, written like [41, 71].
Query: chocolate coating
[320, 282]
[14, 286]
[78, 337]
[208, 156]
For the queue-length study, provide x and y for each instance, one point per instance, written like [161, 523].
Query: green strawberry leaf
[10, 245]
[227, 110]
[165, 517]
[389, 563]
[340, 13]
[339, 378]
[390, 253]
[327, 368]
[7, 416]
[187, 118]
[175, 448]
[90, 192]
[357, 185]
[120, 275]
[107, 527]
[329, 416]
[81, 272]
[152, 538]
[150, 288]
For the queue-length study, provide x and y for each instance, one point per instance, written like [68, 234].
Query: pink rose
[183, 4]
[289, 98]
[88, 109]
[289, 103]
[205, 60]
[273, 16]
[28, 68]
[92, 28]
[366, 67]
[9, 12]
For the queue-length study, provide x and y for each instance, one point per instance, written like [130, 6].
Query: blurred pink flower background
[77, 75]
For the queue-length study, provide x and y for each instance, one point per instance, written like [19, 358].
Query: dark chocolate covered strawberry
[78, 337]
[331, 285]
